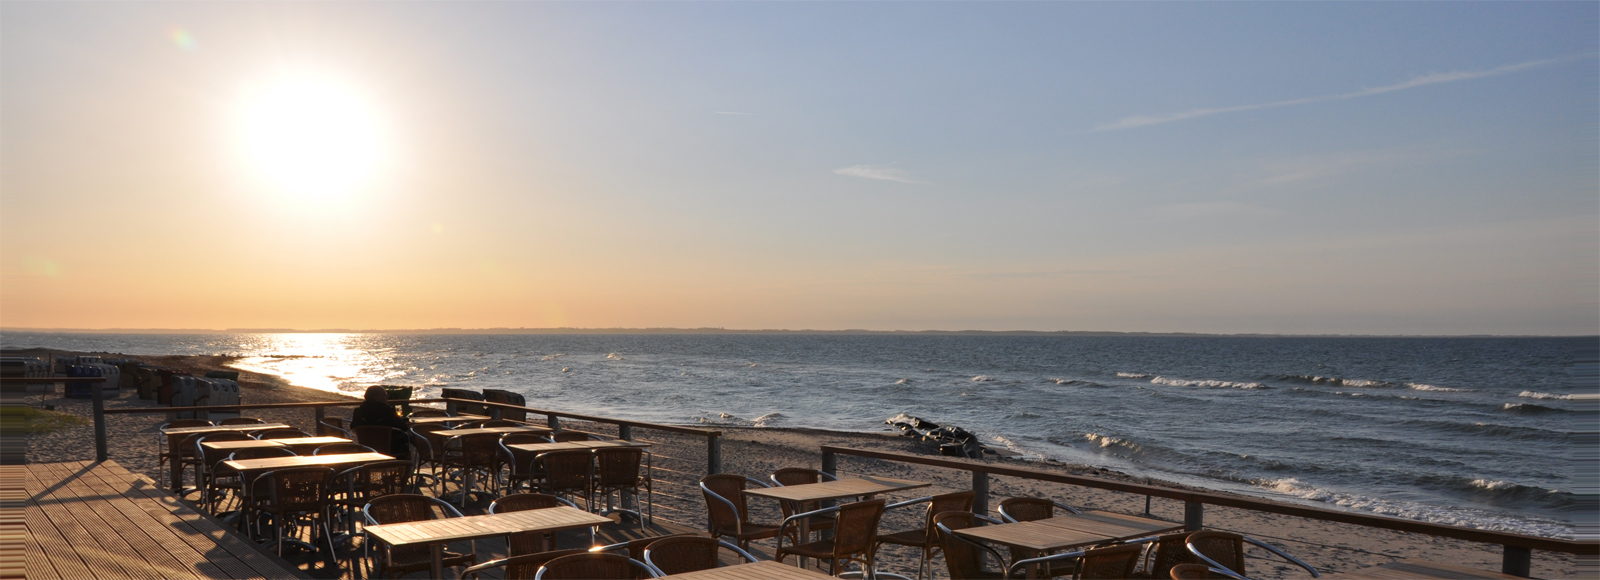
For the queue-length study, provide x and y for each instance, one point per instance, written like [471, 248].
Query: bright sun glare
[311, 137]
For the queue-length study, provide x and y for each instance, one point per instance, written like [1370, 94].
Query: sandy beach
[1331, 547]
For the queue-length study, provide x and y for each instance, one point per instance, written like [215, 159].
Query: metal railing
[1516, 560]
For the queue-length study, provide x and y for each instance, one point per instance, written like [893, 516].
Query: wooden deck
[97, 520]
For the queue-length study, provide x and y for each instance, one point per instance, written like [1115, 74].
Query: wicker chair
[379, 438]
[727, 511]
[926, 538]
[802, 476]
[617, 469]
[471, 455]
[241, 421]
[570, 436]
[341, 449]
[206, 464]
[518, 464]
[297, 493]
[1107, 563]
[281, 433]
[530, 542]
[687, 553]
[635, 549]
[593, 566]
[405, 507]
[1168, 552]
[1224, 551]
[357, 486]
[1028, 509]
[1191, 572]
[181, 451]
[228, 479]
[520, 567]
[567, 473]
[334, 427]
[855, 535]
[427, 441]
[963, 557]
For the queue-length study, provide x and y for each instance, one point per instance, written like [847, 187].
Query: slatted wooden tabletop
[493, 430]
[847, 487]
[304, 461]
[236, 445]
[1036, 536]
[471, 527]
[97, 520]
[176, 431]
[1115, 525]
[764, 570]
[573, 445]
[1415, 569]
[456, 419]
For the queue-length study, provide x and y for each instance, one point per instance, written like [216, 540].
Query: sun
[311, 137]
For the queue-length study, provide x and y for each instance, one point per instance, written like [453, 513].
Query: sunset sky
[1381, 168]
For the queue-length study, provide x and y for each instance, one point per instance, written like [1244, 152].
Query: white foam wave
[1060, 381]
[982, 379]
[768, 419]
[1549, 396]
[1133, 375]
[1208, 384]
[903, 382]
[614, 356]
[1491, 484]
[1349, 394]
[1107, 441]
[551, 356]
[566, 369]
[1422, 387]
[1466, 517]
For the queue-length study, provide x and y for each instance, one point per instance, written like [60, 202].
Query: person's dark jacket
[370, 413]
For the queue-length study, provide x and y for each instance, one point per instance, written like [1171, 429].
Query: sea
[1493, 433]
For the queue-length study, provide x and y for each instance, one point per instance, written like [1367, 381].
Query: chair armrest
[800, 517]
[909, 502]
[1281, 554]
[1020, 564]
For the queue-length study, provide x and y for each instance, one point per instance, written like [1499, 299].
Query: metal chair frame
[1241, 538]
[722, 543]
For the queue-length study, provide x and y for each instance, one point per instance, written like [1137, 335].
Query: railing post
[980, 487]
[625, 432]
[99, 422]
[1194, 515]
[553, 422]
[494, 413]
[450, 406]
[1517, 561]
[830, 462]
[713, 454]
[322, 413]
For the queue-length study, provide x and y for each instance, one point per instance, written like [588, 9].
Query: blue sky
[1208, 167]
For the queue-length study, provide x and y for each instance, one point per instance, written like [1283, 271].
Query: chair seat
[822, 549]
[410, 561]
[916, 538]
[758, 531]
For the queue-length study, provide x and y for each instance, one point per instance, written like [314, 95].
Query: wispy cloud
[1421, 81]
[1211, 210]
[731, 113]
[882, 172]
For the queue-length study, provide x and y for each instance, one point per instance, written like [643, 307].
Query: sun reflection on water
[336, 362]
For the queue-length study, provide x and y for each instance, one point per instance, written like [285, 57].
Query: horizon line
[722, 330]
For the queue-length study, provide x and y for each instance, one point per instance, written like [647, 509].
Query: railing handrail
[186, 409]
[1261, 505]
[579, 416]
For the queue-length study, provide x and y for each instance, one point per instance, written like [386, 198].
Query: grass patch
[25, 420]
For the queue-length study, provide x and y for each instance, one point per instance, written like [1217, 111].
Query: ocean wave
[1550, 396]
[1077, 382]
[1456, 516]
[903, 382]
[1208, 384]
[1490, 429]
[1133, 375]
[982, 379]
[551, 356]
[614, 356]
[1423, 387]
[1530, 409]
[768, 419]
[1115, 443]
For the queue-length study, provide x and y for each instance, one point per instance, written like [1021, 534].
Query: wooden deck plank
[99, 520]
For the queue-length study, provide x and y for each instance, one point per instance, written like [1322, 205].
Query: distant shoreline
[843, 332]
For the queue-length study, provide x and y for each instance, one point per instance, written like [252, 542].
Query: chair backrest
[436, 435]
[592, 566]
[567, 470]
[1027, 509]
[856, 529]
[1225, 548]
[569, 436]
[1189, 572]
[260, 453]
[380, 478]
[281, 433]
[379, 438]
[241, 421]
[341, 448]
[679, 554]
[177, 423]
[617, 466]
[517, 502]
[960, 556]
[1169, 551]
[407, 507]
[500, 423]
[729, 487]
[1112, 562]
[960, 501]
[797, 476]
[524, 567]
[209, 458]
[295, 489]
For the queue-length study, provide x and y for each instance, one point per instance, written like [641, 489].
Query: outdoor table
[462, 418]
[572, 445]
[437, 532]
[304, 445]
[1035, 536]
[501, 430]
[244, 444]
[1416, 569]
[831, 490]
[270, 463]
[175, 435]
[763, 570]
[1117, 526]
